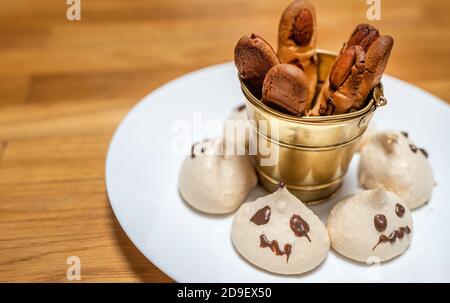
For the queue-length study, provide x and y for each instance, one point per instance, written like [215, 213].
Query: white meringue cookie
[367, 136]
[391, 160]
[357, 224]
[239, 113]
[238, 129]
[215, 183]
[302, 241]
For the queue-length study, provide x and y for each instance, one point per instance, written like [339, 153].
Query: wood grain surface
[65, 86]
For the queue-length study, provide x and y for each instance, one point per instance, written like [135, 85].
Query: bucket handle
[379, 100]
[378, 94]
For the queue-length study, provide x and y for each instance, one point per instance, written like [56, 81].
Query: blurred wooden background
[65, 86]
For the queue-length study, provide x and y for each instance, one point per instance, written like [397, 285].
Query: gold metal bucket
[313, 152]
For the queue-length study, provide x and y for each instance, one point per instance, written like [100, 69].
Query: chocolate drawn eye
[262, 216]
[380, 222]
[299, 226]
[399, 210]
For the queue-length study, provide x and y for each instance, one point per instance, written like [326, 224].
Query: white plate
[142, 171]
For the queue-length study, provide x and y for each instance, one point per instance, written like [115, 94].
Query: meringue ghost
[278, 233]
[367, 136]
[392, 161]
[238, 129]
[213, 182]
[374, 225]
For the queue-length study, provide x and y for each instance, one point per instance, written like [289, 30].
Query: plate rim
[167, 271]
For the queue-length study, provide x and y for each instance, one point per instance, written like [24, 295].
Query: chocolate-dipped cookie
[297, 40]
[363, 35]
[286, 88]
[354, 74]
[254, 57]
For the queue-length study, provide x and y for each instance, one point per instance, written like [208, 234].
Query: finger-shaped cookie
[286, 88]
[254, 57]
[339, 92]
[344, 91]
[297, 40]
[363, 35]
[376, 60]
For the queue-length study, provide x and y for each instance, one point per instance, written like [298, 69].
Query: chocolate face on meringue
[391, 160]
[278, 233]
[372, 225]
[213, 182]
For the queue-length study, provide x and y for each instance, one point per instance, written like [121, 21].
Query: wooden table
[65, 86]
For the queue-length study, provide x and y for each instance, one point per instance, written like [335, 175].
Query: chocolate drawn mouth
[273, 245]
[393, 236]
